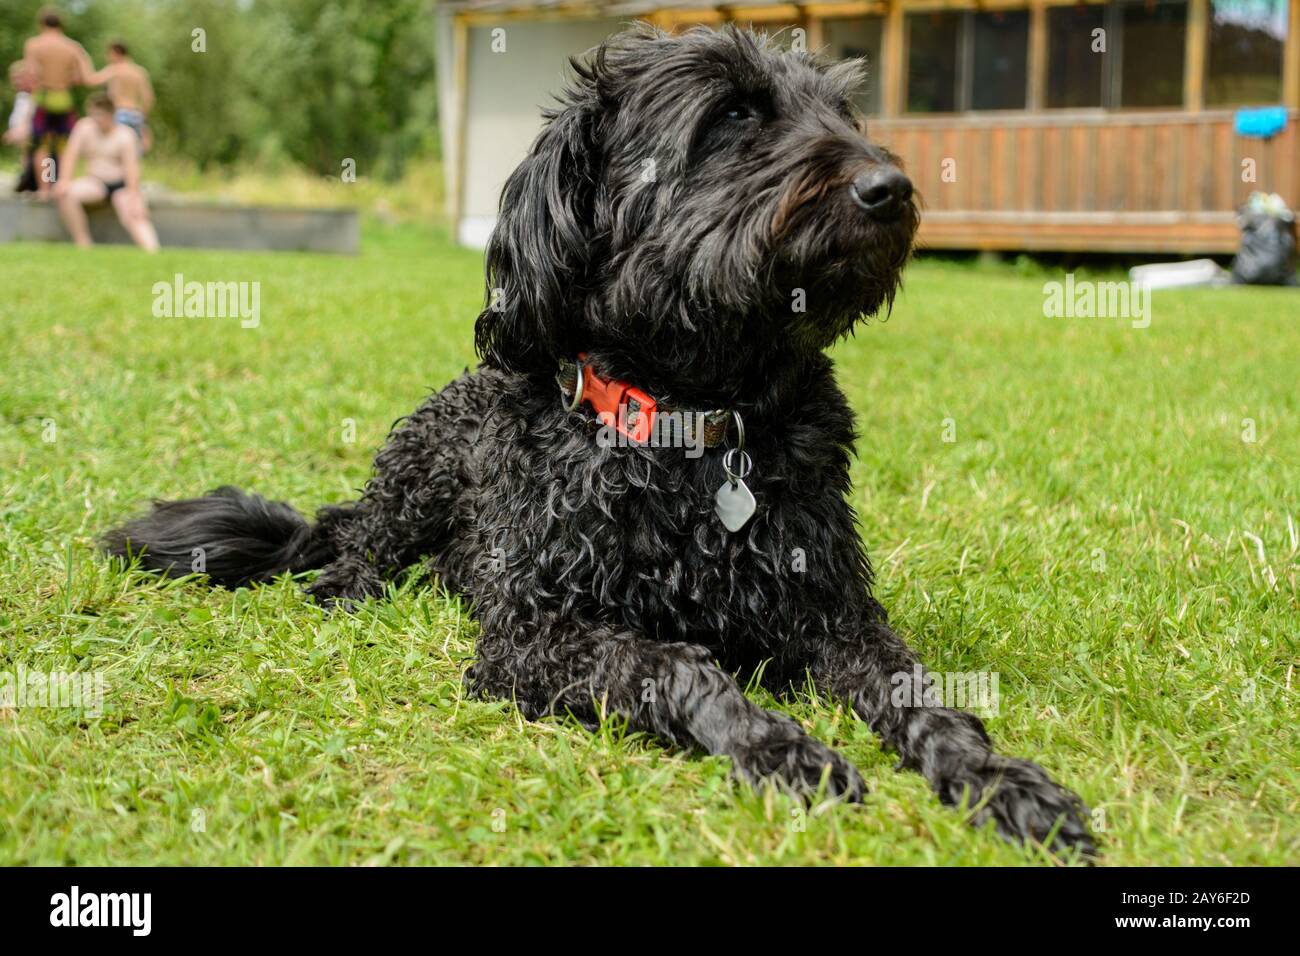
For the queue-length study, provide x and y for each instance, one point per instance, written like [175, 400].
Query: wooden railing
[1089, 180]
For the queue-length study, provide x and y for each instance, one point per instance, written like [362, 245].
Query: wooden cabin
[1065, 125]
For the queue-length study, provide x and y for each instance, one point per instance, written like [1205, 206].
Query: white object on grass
[1174, 275]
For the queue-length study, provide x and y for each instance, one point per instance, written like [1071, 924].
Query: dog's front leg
[672, 690]
[877, 674]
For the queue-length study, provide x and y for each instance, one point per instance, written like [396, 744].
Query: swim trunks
[50, 127]
[54, 101]
[132, 118]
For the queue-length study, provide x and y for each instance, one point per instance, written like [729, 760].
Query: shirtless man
[112, 159]
[128, 87]
[58, 63]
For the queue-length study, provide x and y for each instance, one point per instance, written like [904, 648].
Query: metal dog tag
[734, 504]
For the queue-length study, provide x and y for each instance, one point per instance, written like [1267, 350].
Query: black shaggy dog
[701, 217]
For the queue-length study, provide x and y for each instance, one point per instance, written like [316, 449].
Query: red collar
[629, 409]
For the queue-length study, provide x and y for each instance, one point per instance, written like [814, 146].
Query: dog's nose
[882, 191]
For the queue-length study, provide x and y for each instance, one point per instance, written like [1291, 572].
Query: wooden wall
[1108, 181]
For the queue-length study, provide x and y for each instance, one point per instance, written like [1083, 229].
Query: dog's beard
[725, 302]
[804, 262]
[843, 271]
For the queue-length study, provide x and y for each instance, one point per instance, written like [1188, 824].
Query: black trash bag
[1268, 243]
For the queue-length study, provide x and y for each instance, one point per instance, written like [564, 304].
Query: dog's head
[695, 202]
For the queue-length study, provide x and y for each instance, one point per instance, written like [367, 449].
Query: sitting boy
[111, 152]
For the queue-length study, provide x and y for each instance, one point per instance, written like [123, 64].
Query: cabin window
[999, 55]
[1120, 55]
[1153, 41]
[858, 38]
[1076, 57]
[958, 61]
[1243, 62]
[933, 50]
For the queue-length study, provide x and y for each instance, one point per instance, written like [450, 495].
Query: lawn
[1113, 531]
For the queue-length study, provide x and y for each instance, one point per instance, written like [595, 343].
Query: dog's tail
[233, 537]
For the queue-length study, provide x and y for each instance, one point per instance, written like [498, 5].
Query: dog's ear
[538, 254]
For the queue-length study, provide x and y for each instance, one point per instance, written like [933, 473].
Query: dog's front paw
[1025, 804]
[343, 585]
[789, 756]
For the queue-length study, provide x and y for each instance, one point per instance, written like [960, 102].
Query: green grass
[1087, 536]
[417, 197]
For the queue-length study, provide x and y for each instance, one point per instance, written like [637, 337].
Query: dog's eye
[732, 121]
[738, 112]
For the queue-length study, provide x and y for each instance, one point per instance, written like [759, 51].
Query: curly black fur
[683, 195]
